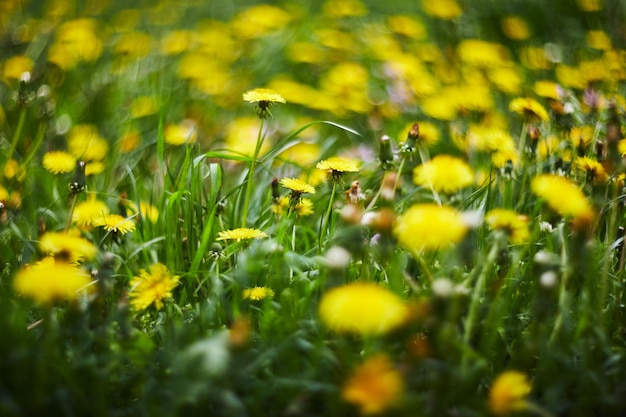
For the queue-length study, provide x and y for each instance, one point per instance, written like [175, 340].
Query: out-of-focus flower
[133, 45]
[515, 27]
[563, 196]
[259, 21]
[257, 293]
[241, 136]
[50, 280]
[115, 223]
[481, 53]
[429, 227]
[58, 162]
[67, 247]
[15, 66]
[528, 108]
[75, 41]
[86, 213]
[242, 233]
[362, 308]
[143, 106]
[548, 89]
[344, 8]
[581, 136]
[590, 5]
[86, 144]
[515, 225]
[304, 207]
[13, 170]
[152, 286]
[444, 173]
[442, 9]
[347, 84]
[598, 39]
[175, 42]
[593, 169]
[374, 386]
[129, 140]
[429, 134]
[508, 393]
[183, 133]
[407, 26]
[94, 168]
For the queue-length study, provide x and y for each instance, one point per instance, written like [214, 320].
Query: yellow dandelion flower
[87, 212]
[374, 386]
[241, 233]
[444, 173]
[175, 42]
[442, 9]
[590, 5]
[344, 8]
[581, 136]
[621, 147]
[148, 211]
[336, 166]
[179, 134]
[515, 225]
[15, 66]
[51, 280]
[264, 98]
[59, 162]
[598, 39]
[13, 169]
[4, 194]
[280, 205]
[133, 45]
[152, 286]
[429, 133]
[257, 293]
[548, 89]
[481, 53]
[143, 106]
[508, 393]
[515, 27]
[304, 207]
[362, 308]
[115, 223]
[407, 26]
[258, 21]
[593, 169]
[68, 247]
[86, 144]
[528, 108]
[297, 186]
[563, 196]
[241, 136]
[429, 227]
[94, 168]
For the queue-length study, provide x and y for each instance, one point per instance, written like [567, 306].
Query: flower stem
[327, 216]
[250, 179]
[36, 144]
[17, 134]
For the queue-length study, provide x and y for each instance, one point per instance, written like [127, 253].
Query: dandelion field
[312, 208]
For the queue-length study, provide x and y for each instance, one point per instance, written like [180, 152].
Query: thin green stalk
[563, 293]
[250, 179]
[522, 139]
[606, 261]
[36, 144]
[327, 215]
[17, 134]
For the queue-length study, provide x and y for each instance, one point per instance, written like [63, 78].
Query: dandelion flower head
[444, 173]
[59, 162]
[508, 393]
[87, 212]
[362, 308]
[67, 247]
[257, 293]
[86, 144]
[51, 280]
[442, 9]
[182, 133]
[152, 286]
[429, 227]
[297, 185]
[115, 223]
[592, 168]
[562, 196]
[304, 207]
[264, 99]
[515, 225]
[242, 233]
[528, 108]
[337, 165]
[374, 386]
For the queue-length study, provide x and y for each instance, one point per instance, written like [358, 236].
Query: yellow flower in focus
[362, 308]
[50, 280]
[115, 223]
[180, 134]
[338, 165]
[59, 162]
[264, 99]
[67, 247]
[86, 144]
[257, 293]
[508, 393]
[86, 213]
[242, 233]
[442, 9]
[444, 173]
[152, 286]
[528, 108]
[429, 227]
[515, 225]
[563, 196]
[593, 170]
[515, 27]
[297, 186]
[374, 386]
[15, 66]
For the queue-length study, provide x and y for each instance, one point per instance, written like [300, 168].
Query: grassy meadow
[333, 208]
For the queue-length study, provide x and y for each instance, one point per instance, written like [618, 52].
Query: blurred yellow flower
[85, 143]
[481, 53]
[175, 42]
[563, 196]
[13, 170]
[133, 45]
[508, 393]
[528, 108]
[59, 162]
[143, 106]
[185, 132]
[442, 9]
[304, 207]
[152, 286]
[429, 134]
[515, 225]
[15, 66]
[257, 293]
[347, 84]
[362, 308]
[114, 223]
[129, 140]
[548, 89]
[440, 106]
[344, 8]
[67, 247]
[241, 136]
[515, 27]
[75, 41]
[593, 170]
[86, 213]
[407, 26]
[590, 5]
[598, 39]
[149, 212]
[50, 280]
[444, 173]
[429, 227]
[94, 168]
[242, 233]
[581, 136]
[4, 194]
[259, 21]
[506, 79]
[374, 386]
